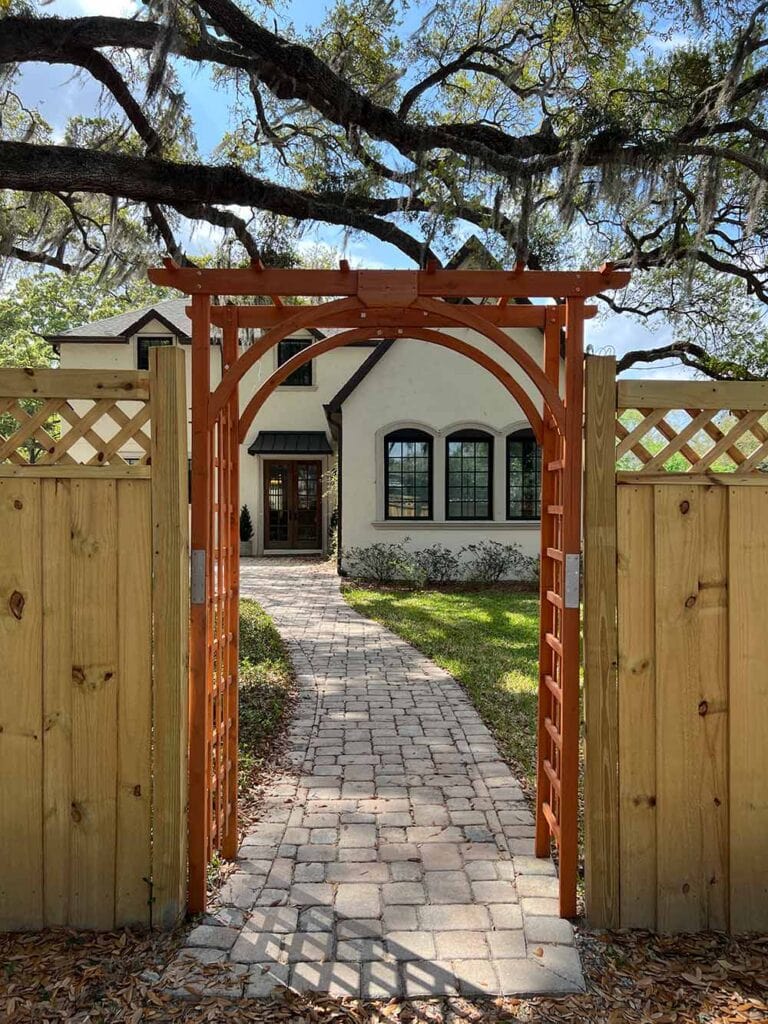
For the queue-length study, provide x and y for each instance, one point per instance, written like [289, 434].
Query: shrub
[381, 563]
[530, 565]
[246, 526]
[437, 563]
[490, 561]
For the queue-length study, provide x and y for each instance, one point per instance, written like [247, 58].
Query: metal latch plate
[572, 579]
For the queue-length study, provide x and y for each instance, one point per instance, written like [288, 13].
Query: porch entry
[293, 505]
[359, 306]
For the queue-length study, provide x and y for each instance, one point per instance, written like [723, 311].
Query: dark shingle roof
[290, 442]
[173, 311]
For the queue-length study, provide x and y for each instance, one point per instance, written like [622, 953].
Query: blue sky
[59, 94]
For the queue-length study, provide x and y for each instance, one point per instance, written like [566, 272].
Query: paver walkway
[397, 860]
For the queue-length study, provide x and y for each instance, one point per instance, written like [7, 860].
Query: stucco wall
[288, 408]
[420, 385]
[415, 384]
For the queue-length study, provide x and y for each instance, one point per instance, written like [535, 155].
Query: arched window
[469, 475]
[408, 475]
[523, 476]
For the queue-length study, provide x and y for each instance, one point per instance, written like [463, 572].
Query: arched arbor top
[435, 337]
[393, 300]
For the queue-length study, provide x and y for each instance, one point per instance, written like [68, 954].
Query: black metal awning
[290, 442]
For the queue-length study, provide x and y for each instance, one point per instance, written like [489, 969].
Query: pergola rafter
[421, 306]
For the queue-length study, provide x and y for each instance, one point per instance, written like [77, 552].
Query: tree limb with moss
[565, 132]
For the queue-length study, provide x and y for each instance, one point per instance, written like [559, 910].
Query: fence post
[170, 612]
[601, 709]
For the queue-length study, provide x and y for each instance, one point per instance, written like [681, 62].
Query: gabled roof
[473, 255]
[170, 312]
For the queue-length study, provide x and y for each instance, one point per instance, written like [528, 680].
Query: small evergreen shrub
[246, 526]
[488, 562]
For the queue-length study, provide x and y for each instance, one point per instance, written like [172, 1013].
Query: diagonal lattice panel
[56, 431]
[691, 440]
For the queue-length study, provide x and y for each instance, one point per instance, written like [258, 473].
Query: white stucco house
[425, 443]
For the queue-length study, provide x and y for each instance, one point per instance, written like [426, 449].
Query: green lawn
[266, 688]
[486, 639]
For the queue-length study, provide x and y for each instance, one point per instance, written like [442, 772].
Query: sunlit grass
[487, 640]
[266, 684]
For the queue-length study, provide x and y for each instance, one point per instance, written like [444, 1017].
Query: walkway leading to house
[397, 859]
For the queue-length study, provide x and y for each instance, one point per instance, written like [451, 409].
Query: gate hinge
[197, 577]
[572, 581]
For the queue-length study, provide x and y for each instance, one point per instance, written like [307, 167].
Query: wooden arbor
[416, 305]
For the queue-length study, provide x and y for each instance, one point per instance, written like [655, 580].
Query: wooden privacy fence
[93, 635]
[676, 653]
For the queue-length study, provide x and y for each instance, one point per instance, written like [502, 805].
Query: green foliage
[380, 562]
[49, 303]
[361, 41]
[266, 686]
[437, 563]
[487, 640]
[489, 562]
[246, 525]
[565, 132]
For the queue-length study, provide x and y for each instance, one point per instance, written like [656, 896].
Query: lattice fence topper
[692, 441]
[92, 432]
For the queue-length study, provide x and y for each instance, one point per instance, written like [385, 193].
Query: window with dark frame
[469, 475]
[523, 476]
[288, 347]
[408, 475]
[144, 342]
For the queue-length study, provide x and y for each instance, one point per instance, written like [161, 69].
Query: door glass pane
[277, 504]
[307, 505]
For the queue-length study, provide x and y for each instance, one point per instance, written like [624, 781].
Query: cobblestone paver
[398, 858]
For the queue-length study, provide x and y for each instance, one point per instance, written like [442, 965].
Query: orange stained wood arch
[435, 337]
[376, 303]
[313, 317]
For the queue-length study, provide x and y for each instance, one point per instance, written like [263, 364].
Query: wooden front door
[292, 505]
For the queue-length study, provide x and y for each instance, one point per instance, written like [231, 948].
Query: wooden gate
[414, 306]
[93, 635]
[676, 653]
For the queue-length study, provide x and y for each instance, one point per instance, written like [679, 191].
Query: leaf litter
[632, 978]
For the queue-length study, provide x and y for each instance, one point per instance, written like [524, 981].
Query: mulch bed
[633, 978]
